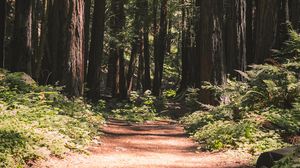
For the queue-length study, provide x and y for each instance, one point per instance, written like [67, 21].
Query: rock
[3, 73]
[20, 78]
[268, 159]
[26, 78]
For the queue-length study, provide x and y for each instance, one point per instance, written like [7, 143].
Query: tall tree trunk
[250, 18]
[295, 14]
[265, 29]
[283, 24]
[212, 48]
[22, 38]
[135, 46]
[117, 50]
[41, 51]
[2, 31]
[184, 51]
[96, 51]
[37, 34]
[196, 54]
[154, 13]
[66, 44]
[87, 21]
[159, 56]
[147, 78]
[141, 67]
[235, 37]
[154, 31]
[169, 35]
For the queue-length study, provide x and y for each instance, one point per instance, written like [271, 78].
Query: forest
[149, 83]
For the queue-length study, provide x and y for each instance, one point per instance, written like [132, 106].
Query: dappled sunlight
[146, 145]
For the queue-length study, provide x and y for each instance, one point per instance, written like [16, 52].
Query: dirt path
[160, 144]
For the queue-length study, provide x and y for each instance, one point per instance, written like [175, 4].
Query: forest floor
[157, 144]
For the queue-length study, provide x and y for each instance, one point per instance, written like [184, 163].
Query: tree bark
[135, 46]
[22, 38]
[154, 13]
[295, 14]
[159, 56]
[147, 78]
[250, 19]
[235, 37]
[117, 68]
[283, 24]
[265, 29]
[38, 35]
[96, 51]
[141, 67]
[2, 31]
[212, 48]
[196, 54]
[184, 51]
[66, 44]
[87, 37]
[41, 51]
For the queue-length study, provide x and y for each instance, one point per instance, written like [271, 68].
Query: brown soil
[160, 144]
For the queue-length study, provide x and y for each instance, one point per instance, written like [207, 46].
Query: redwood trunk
[66, 44]
[235, 37]
[135, 46]
[184, 51]
[250, 18]
[211, 46]
[266, 29]
[22, 38]
[295, 14]
[117, 69]
[96, 51]
[87, 27]
[159, 56]
[147, 78]
[2, 31]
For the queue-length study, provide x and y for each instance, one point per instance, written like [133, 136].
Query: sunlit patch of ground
[150, 145]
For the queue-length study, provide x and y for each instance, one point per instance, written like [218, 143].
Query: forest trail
[157, 144]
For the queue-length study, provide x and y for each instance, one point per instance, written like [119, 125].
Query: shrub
[141, 107]
[265, 104]
[37, 121]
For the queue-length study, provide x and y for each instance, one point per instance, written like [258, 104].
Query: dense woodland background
[115, 46]
[229, 69]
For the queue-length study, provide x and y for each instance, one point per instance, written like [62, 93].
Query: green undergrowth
[256, 114]
[38, 121]
[140, 107]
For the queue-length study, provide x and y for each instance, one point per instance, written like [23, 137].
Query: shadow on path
[157, 144]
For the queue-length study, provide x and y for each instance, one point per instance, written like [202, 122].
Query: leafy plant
[252, 114]
[141, 107]
[37, 121]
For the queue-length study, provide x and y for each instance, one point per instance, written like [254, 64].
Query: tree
[87, 27]
[96, 51]
[147, 78]
[265, 29]
[41, 51]
[116, 62]
[185, 69]
[136, 42]
[235, 36]
[295, 14]
[2, 31]
[22, 38]
[66, 38]
[154, 13]
[160, 50]
[211, 46]
[283, 24]
[250, 24]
